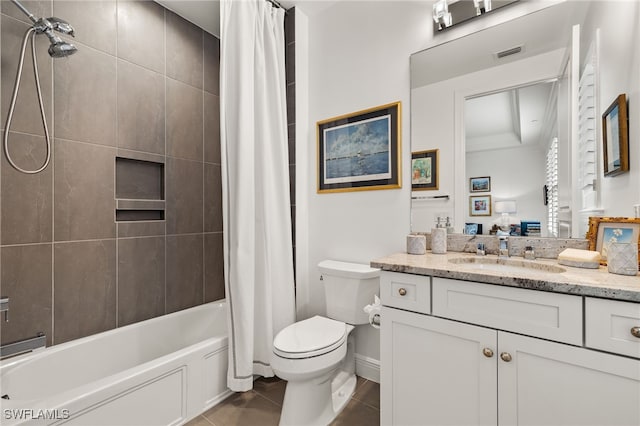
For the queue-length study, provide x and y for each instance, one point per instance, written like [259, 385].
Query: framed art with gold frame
[606, 230]
[480, 205]
[360, 151]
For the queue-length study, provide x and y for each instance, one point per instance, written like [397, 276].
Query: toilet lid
[311, 337]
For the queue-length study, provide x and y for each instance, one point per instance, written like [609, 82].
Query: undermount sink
[505, 265]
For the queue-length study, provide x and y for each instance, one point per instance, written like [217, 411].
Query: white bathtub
[163, 371]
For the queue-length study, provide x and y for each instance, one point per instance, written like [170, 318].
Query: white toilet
[316, 356]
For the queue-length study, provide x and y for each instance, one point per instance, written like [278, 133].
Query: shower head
[61, 49]
[58, 48]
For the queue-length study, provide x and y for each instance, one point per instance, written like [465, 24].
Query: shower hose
[30, 32]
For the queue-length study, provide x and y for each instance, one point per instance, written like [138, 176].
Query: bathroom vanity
[477, 340]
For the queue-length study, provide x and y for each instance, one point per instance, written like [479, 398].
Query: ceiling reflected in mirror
[508, 119]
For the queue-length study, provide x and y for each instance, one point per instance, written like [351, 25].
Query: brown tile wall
[143, 85]
[290, 64]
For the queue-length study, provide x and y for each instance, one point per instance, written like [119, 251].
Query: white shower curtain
[258, 250]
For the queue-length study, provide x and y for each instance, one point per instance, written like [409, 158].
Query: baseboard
[368, 368]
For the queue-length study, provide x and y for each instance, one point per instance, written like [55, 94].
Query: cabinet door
[547, 383]
[434, 371]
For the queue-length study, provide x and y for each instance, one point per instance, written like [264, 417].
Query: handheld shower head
[59, 48]
[61, 26]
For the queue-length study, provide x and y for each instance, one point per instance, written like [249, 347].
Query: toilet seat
[310, 338]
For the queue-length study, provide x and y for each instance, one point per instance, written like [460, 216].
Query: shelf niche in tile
[139, 180]
[139, 215]
[139, 190]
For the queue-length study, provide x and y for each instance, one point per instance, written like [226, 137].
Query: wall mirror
[493, 109]
[511, 143]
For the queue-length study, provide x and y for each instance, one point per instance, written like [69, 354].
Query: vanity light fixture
[505, 207]
[482, 6]
[441, 15]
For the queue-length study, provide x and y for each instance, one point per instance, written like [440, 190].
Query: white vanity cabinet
[481, 365]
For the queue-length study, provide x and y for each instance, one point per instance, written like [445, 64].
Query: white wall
[358, 57]
[619, 24]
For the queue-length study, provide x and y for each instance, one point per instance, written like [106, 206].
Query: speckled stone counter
[583, 282]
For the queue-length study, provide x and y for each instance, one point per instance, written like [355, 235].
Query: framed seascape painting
[424, 170]
[480, 205]
[606, 230]
[615, 137]
[360, 151]
[480, 184]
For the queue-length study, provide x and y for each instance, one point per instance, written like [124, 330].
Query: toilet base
[307, 404]
[318, 401]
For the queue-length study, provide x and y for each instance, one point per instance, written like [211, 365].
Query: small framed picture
[606, 230]
[424, 170]
[480, 184]
[480, 205]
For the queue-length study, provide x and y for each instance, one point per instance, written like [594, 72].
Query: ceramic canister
[622, 258]
[416, 244]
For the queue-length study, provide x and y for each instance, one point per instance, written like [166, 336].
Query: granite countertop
[578, 281]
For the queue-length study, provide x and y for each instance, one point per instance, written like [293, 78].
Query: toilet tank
[349, 287]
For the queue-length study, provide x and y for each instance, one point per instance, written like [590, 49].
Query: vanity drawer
[535, 313]
[406, 291]
[613, 326]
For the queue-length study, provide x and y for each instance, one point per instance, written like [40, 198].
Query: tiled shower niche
[139, 190]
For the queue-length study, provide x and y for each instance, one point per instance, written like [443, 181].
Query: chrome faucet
[4, 307]
[503, 247]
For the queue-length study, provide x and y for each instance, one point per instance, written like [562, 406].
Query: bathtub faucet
[22, 346]
[4, 307]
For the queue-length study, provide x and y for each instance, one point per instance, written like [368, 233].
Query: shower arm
[24, 10]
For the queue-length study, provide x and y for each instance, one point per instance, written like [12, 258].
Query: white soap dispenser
[439, 237]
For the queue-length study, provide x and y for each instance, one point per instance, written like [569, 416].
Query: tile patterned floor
[261, 406]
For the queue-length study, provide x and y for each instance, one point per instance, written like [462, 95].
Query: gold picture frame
[480, 205]
[600, 228]
[360, 151]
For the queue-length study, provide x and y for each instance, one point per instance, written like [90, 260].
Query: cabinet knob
[402, 291]
[635, 331]
[506, 356]
[487, 352]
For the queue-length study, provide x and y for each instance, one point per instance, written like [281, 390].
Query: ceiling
[508, 119]
[206, 13]
[203, 13]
